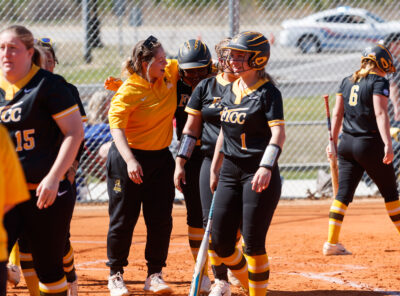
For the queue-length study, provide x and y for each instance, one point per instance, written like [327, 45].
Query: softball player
[203, 122]
[43, 120]
[361, 104]
[48, 63]
[194, 60]
[245, 162]
[13, 190]
[140, 166]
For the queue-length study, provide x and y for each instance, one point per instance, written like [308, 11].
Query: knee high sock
[68, 264]
[393, 209]
[336, 215]
[31, 278]
[258, 266]
[195, 237]
[238, 265]
[14, 255]
[58, 288]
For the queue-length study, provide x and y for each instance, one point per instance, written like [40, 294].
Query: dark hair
[262, 74]
[38, 56]
[143, 51]
[23, 34]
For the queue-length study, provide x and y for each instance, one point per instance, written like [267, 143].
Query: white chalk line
[133, 243]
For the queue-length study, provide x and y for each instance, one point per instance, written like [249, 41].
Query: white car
[336, 29]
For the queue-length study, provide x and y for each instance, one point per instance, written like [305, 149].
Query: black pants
[3, 278]
[357, 154]
[236, 203]
[156, 195]
[44, 231]
[191, 190]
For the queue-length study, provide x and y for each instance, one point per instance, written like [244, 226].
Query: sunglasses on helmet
[45, 42]
[149, 42]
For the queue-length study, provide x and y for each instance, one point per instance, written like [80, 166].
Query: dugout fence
[93, 37]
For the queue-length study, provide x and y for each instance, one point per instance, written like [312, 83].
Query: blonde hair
[140, 54]
[98, 104]
[367, 66]
[262, 74]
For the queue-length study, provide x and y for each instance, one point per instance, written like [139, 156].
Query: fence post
[234, 17]
[87, 55]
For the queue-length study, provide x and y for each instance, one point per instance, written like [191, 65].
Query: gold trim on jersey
[220, 79]
[12, 88]
[192, 111]
[339, 94]
[84, 119]
[66, 112]
[240, 94]
[276, 122]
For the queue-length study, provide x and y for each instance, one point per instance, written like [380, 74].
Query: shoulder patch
[386, 92]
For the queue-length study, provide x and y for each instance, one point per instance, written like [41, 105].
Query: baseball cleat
[155, 284]
[13, 274]
[334, 249]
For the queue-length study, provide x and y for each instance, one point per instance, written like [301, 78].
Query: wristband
[187, 145]
[270, 157]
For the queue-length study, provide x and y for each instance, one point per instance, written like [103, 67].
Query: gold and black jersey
[206, 102]
[247, 117]
[359, 115]
[29, 110]
[146, 110]
[184, 92]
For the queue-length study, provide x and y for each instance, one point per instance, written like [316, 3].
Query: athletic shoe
[334, 249]
[205, 286]
[13, 274]
[155, 283]
[73, 288]
[220, 288]
[233, 280]
[116, 285]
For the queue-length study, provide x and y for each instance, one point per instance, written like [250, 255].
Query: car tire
[309, 43]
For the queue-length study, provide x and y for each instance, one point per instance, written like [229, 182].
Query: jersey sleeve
[75, 94]
[274, 109]
[341, 88]
[15, 189]
[381, 87]
[195, 103]
[122, 104]
[60, 101]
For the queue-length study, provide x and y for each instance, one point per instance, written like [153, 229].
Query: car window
[344, 19]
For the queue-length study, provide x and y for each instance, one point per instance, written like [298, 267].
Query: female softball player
[48, 62]
[140, 166]
[13, 190]
[194, 60]
[43, 120]
[361, 104]
[245, 162]
[203, 122]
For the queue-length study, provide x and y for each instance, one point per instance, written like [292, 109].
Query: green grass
[306, 108]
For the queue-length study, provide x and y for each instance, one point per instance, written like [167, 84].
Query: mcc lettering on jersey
[234, 115]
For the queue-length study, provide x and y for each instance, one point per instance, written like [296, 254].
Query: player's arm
[382, 120]
[191, 132]
[216, 162]
[72, 129]
[337, 117]
[395, 98]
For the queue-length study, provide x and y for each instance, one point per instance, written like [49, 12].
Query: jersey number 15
[25, 140]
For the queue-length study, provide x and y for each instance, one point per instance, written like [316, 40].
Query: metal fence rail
[93, 38]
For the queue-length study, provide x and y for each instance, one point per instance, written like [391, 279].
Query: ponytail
[264, 75]
[367, 66]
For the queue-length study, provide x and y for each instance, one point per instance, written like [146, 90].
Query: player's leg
[27, 266]
[191, 193]
[350, 173]
[158, 193]
[226, 221]
[3, 278]
[258, 210]
[13, 272]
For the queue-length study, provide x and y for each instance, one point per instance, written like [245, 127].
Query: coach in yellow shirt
[140, 166]
[13, 190]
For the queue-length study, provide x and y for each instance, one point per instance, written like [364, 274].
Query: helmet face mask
[254, 43]
[381, 56]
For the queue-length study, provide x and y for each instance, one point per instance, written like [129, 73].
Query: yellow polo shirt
[146, 110]
[13, 188]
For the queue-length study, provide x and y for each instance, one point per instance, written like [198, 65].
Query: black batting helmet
[194, 54]
[381, 56]
[255, 43]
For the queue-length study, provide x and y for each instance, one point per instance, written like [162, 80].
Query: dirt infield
[294, 245]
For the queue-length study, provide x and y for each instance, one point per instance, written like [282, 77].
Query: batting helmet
[194, 54]
[255, 43]
[381, 56]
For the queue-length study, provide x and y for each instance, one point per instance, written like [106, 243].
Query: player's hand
[389, 155]
[47, 191]
[112, 83]
[261, 179]
[135, 171]
[329, 154]
[179, 176]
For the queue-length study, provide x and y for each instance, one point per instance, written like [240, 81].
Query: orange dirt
[294, 244]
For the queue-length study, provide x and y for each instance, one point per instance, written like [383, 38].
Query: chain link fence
[315, 43]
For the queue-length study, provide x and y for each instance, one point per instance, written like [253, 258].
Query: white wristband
[270, 157]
